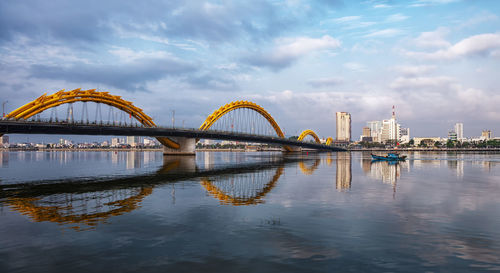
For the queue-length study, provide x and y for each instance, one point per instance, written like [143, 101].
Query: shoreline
[247, 150]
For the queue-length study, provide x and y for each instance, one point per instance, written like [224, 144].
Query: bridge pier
[294, 149]
[188, 146]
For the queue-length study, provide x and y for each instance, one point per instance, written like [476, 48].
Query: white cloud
[323, 82]
[129, 55]
[415, 70]
[483, 45]
[381, 6]
[424, 3]
[390, 32]
[355, 66]
[433, 39]
[346, 19]
[412, 83]
[396, 17]
[287, 50]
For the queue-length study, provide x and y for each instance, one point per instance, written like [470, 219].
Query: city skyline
[301, 60]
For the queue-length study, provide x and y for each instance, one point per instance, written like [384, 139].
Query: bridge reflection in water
[83, 204]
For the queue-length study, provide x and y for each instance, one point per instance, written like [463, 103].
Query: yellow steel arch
[45, 102]
[309, 133]
[329, 141]
[226, 199]
[62, 213]
[236, 105]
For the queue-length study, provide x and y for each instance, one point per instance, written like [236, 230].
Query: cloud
[478, 45]
[416, 70]
[84, 24]
[419, 82]
[424, 3]
[347, 19]
[433, 39]
[325, 82]
[381, 6]
[355, 66]
[288, 50]
[396, 18]
[385, 33]
[129, 76]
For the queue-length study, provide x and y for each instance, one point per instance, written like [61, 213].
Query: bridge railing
[136, 125]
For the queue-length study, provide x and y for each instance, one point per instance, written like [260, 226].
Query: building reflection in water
[82, 205]
[389, 172]
[458, 166]
[134, 160]
[344, 174]
[4, 159]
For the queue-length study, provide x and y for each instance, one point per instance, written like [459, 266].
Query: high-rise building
[4, 140]
[366, 132]
[133, 141]
[459, 129]
[343, 126]
[390, 128]
[375, 130]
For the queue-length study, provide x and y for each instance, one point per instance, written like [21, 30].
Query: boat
[389, 157]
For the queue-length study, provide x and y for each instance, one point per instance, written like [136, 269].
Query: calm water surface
[248, 212]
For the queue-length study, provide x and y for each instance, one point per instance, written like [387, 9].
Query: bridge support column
[294, 149]
[188, 146]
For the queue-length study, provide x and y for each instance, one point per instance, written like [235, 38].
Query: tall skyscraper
[375, 129]
[459, 129]
[343, 126]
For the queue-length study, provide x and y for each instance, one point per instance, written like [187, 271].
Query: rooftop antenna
[393, 112]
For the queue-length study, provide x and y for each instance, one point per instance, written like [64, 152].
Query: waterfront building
[429, 141]
[375, 130]
[4, 141]
[487, 134]
[366, 132]
[459, 129]
[404, 135]
[452, 135]
[133, 141]
[115, 142]
[343, 126]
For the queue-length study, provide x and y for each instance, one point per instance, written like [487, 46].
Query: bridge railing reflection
[83, 204]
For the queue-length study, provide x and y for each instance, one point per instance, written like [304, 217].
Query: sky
[437, 61]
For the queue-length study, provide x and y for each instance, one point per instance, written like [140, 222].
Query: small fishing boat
[389, 157]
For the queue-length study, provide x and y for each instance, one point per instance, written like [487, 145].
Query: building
[459, 129]
[404, 135]
[343, 126]
[4, 141]
[115, 142]
[487, 134]
[375, 130]
[366, 135]
[429, 141]
[452, 135]
[366, 132]
[133, 141]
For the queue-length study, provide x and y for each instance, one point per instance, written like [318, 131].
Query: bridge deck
[33, 127]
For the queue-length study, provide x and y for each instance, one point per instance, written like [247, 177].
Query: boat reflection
[389, 172]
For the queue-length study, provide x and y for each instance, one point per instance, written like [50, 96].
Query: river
[65, 211]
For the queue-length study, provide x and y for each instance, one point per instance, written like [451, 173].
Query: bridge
[236, 121]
